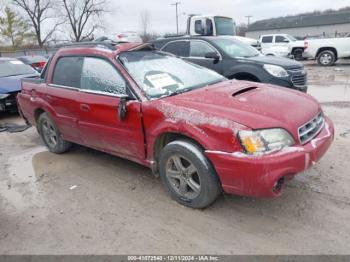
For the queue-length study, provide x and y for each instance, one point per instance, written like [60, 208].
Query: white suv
[270, 43]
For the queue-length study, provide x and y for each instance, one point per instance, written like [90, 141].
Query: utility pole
[177, 16]
[248, 17]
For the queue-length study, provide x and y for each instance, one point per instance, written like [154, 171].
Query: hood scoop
[243, 90]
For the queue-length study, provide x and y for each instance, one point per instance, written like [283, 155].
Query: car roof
[199, 37]
[108, 50]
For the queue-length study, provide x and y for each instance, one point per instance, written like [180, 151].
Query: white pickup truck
[214, 25]
[281, 45]
[327, 51]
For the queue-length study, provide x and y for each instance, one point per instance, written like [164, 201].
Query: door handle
[84, 107]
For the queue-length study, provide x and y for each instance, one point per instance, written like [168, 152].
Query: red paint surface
[211, 116]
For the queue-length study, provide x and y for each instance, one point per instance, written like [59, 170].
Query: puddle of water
[18, 186]
[330, 93]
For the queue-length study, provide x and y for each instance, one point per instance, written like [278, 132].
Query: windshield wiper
[181, 91]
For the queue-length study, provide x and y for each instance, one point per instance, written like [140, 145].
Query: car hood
[13, 83]
[249, 104]
[274, 60]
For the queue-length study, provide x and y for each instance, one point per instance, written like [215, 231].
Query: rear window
[267, 39]
[14, 68]
[178, 48]
[68, 72]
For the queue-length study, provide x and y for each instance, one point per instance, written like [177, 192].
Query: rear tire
[326, 58]
[298, 54]
[51, 136]
[188, 175]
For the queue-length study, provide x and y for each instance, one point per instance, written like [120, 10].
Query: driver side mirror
[212, 55]
[285, 41]
[122, 107]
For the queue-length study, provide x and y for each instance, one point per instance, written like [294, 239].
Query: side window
[44, 73]
[178, 48]
[198, 28]
[280, 39]
[100, 75]
[209, 26]
[200, 49]
[267, 39]
[68, 71]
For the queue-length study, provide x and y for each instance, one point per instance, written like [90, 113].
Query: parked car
[236, 60]
[11, 73]
[282, 51]
[201, 132]
[327, 51]
[35, 61]
[295, 47]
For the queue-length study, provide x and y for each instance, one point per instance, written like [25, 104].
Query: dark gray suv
[236, 60]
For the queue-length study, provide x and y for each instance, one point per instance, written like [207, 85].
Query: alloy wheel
[183, 176]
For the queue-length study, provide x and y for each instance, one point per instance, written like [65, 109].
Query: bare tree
[39, 11]
[145, 21]
[84, 17]
[241, 29]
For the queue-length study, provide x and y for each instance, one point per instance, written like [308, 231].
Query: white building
[325, 24]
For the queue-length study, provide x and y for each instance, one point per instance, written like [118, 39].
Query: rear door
[102, 85]
[198, 51]
[266, 41]
[61, 95]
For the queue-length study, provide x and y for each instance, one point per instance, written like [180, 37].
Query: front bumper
[297, 80]
[256, 176]
[9, 104]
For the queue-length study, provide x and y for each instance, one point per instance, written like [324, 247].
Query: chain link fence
[28, 52]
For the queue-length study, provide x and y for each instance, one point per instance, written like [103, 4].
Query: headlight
[265, 140]
[3, 96]
[276, 71]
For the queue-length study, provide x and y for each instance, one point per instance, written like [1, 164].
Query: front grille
[309, 130]
[9, 103]
[299, 80]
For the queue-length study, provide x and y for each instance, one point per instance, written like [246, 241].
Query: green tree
[14, 28]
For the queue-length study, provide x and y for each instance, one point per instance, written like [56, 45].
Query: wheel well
[166, 138]
[327, 49]
[245, 76]
[297, 48]
[37, 113]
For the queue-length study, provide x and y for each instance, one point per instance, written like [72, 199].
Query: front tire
[187, 174]
[298, 54]
[326, 58]
[51, 136]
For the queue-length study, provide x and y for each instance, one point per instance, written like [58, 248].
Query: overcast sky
[125, 15]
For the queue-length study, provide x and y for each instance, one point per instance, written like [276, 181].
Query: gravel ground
[87, 202]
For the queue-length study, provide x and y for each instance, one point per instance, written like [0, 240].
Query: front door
[198, 51]
[101, 88]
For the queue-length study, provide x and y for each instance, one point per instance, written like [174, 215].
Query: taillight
[121, 36]
[306, 45]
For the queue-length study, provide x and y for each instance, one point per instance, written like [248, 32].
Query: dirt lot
[87, 202]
